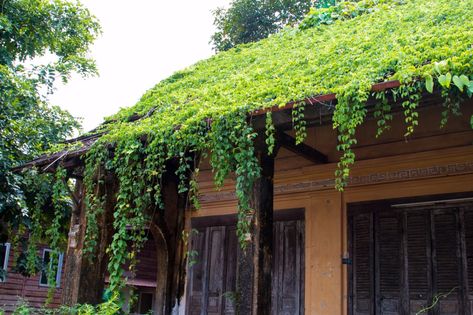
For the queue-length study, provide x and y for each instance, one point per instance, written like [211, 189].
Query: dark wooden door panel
[468, 228]
[388, 263]
[363, 268]
[212, 280]
[418, 260]
[287, 295]
[404, 258]
[446, 261]
[215, 270]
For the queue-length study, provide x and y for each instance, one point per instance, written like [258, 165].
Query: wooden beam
[378, 87]
[255, 263]
[301, 149]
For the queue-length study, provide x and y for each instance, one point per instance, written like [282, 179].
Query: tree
[251, 20]
[61, 32]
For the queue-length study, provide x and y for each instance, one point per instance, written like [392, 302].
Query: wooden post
[255, 262]
[85, 278]
[174, 218]
[168, 226]
[73, 255]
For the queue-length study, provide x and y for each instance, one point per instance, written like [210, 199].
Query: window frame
[5, 261]
[58, 271]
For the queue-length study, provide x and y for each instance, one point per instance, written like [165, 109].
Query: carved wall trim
[361, 180]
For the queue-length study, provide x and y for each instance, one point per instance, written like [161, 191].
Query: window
[46, 267]
[144, 304]
[4, 255]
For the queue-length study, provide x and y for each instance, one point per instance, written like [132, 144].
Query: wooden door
[212, 277]
[405, 259]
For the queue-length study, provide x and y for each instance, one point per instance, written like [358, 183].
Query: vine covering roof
[385, 40]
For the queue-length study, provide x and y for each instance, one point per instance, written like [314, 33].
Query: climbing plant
[207, 109]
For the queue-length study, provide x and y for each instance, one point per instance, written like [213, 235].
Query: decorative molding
[370, 179]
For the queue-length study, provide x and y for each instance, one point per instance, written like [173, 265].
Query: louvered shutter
[468, 226]
[388, 261]
[362, 268]
[421, 254]
[446, 260]
[418, 259]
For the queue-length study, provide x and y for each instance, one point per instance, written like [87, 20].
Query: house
[276, 124]
[15, 287]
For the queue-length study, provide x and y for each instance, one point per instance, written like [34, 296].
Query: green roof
[395, 41]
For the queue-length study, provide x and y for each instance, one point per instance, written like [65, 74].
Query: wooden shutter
[363, 267]
[418, 259]
[288, 273]
[212, 280]
[446, 261]
[406, 258]
[388, 260]
[215, 270]
[468, 239]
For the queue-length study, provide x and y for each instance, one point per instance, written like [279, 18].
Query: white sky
[143, 42]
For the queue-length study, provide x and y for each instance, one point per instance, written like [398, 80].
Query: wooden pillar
[255, 262]
[85, 278]
[174, 216]
[70, 283]
[171, 259]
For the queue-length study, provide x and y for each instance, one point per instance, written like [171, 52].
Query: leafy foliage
[110, 307]
[30, 29]
[328, 14]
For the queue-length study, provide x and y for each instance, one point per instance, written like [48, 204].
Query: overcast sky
[143, 42]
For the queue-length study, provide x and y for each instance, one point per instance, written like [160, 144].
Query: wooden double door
[211, 287]
[414, 258]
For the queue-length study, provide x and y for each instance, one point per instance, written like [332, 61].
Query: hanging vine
[94, 174]
[62, 204]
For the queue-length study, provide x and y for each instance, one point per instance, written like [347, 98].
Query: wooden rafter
[301, 149]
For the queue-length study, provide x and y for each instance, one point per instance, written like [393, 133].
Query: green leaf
[464, 79]
[458, 82]
[437, 68]
[448, 76]
[469, 91]
[429, 83]
[445, 80]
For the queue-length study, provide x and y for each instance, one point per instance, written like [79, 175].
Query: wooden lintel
[301, 149]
